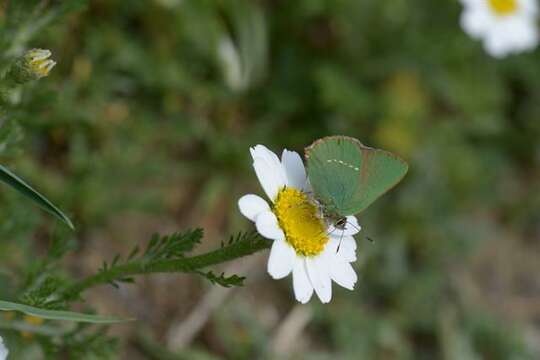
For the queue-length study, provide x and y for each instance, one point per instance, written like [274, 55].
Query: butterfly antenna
[326, 232]
[340, 239]
[354, 226]
[343, 231]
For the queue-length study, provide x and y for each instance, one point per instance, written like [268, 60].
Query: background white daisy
[3, 350]
[303, 244]
[504, 26]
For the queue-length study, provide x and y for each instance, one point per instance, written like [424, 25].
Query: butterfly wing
[348, 176]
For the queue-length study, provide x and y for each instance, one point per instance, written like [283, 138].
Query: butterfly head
[340, 223]
[332, 217]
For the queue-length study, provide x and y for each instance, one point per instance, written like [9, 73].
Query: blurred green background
[145, 125]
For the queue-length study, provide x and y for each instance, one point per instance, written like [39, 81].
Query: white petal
[529, 36]
[269, 170]
[351, 228]
[282, 259]
[252, 205]
[529, 7]
[512, 35]
[268, 178]
[342, 272]
[347, 250]
[303, 290]
[294, 169]
[3, 350]
[267, 225]
[344, 247]
[519, 32]
[496, 46]
[471, 3]
[476, 22]
[318, 272]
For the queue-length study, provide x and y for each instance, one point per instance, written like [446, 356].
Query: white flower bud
[33, 65]
[39, 63]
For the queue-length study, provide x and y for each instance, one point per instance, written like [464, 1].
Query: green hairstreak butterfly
[347, 176]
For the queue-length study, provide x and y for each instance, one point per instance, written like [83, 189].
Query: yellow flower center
[32, 320]
[299, 218]
[503, 7]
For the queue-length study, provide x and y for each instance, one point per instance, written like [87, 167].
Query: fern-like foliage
[166, 247]
[42, 280]
[171, 246]
[42, 295]
[168, 254]
[225, 281]
[85, 342]
[239, 238]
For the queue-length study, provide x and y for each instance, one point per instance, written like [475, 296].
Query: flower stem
[189, 264]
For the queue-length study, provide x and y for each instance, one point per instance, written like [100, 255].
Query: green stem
[190, 264]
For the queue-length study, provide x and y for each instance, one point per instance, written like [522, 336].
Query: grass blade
[59, 315]
[22, 187]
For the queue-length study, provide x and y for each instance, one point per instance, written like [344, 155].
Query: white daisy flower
[304, 244]
[3, 350]
[505, 26]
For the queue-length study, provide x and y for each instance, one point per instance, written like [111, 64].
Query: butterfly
[347, 176]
